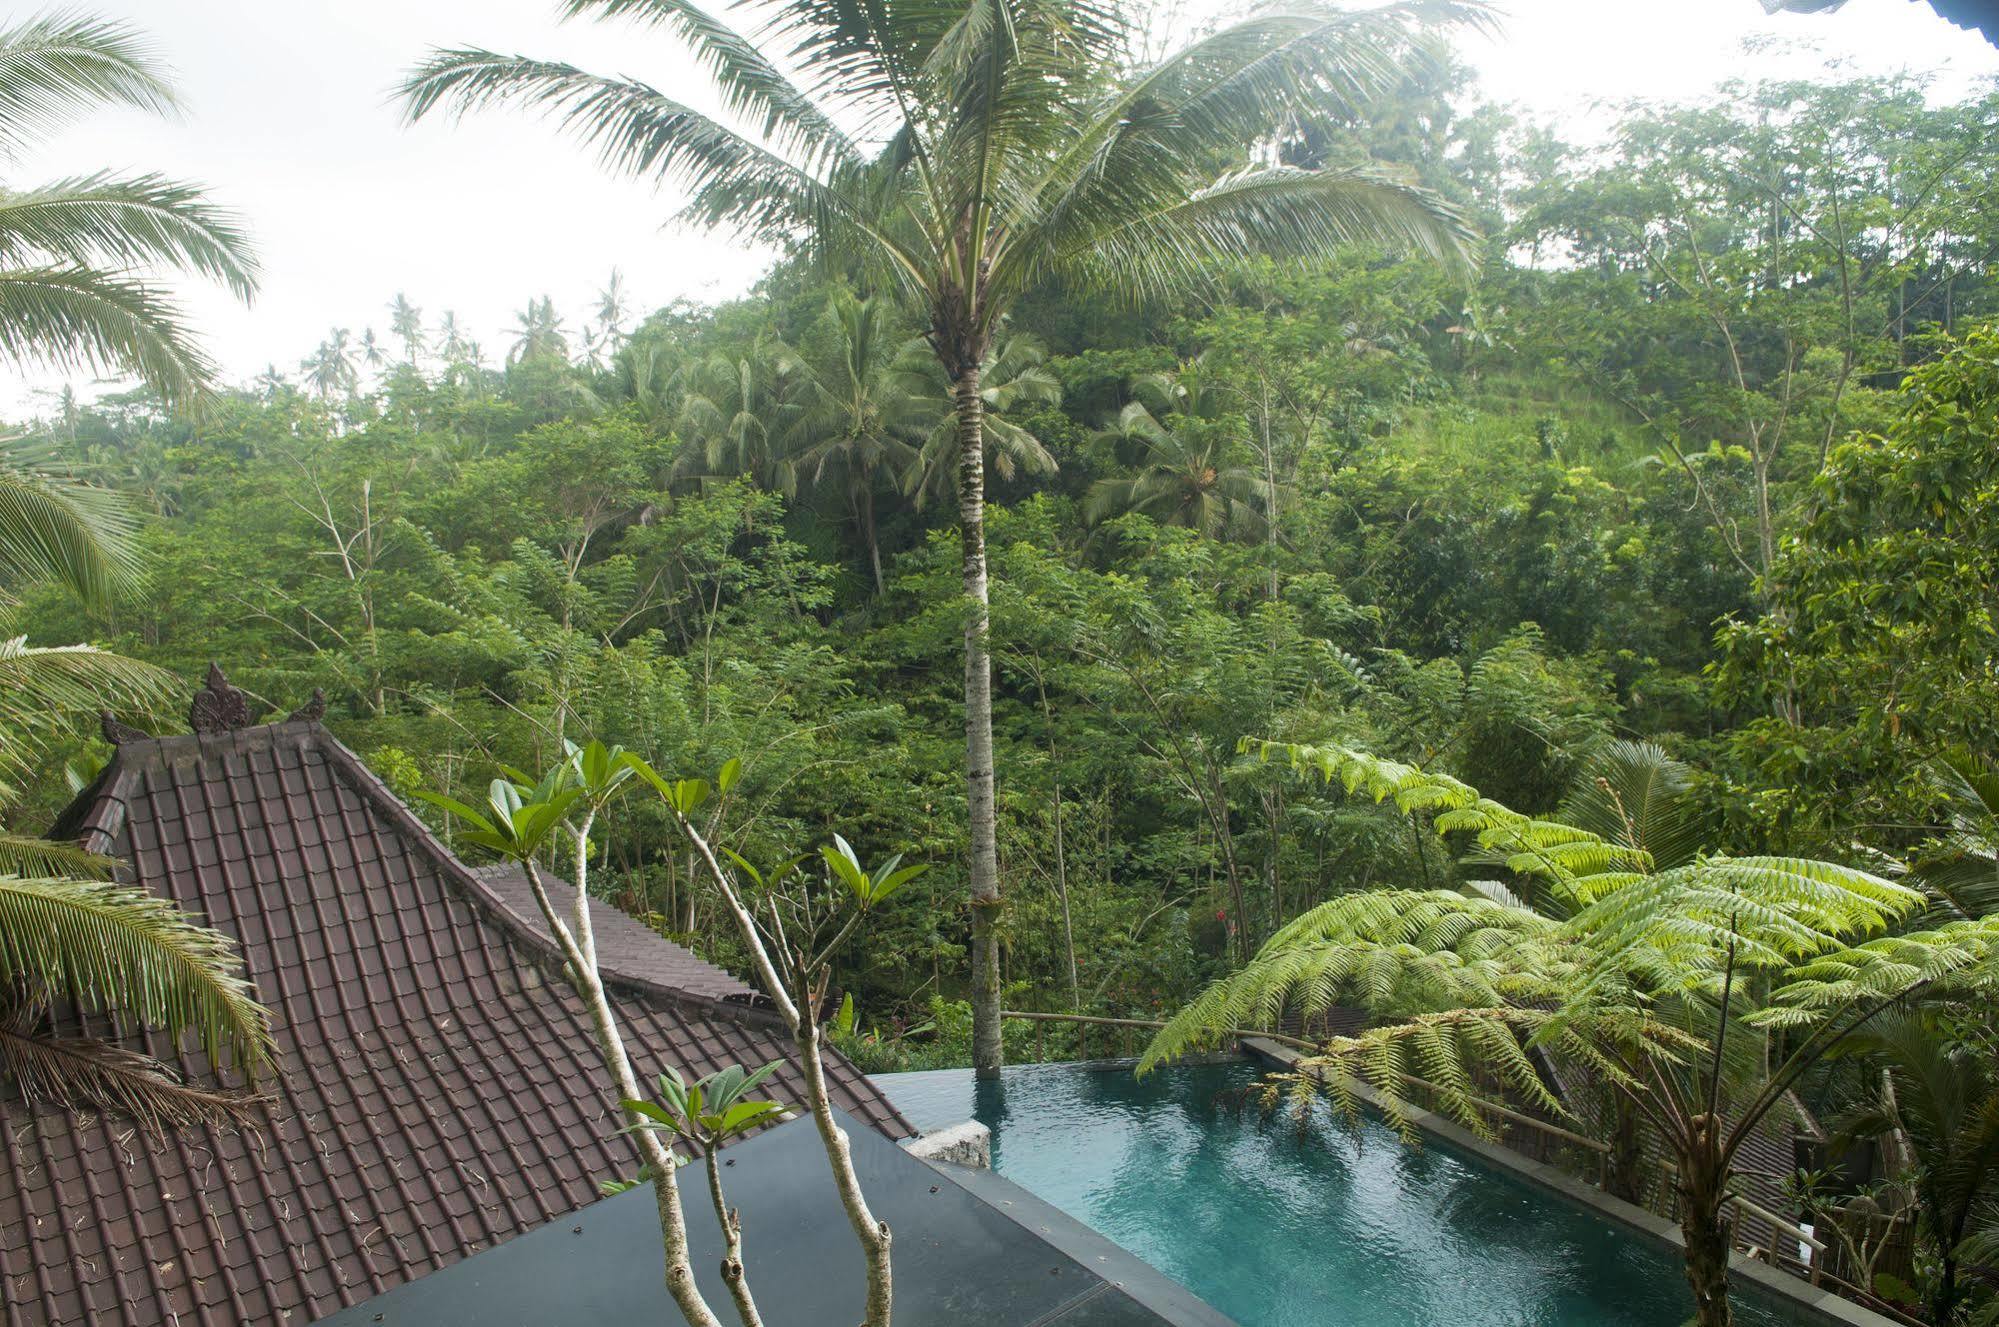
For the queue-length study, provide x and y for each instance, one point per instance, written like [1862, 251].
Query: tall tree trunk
[1707, 1232]
[1623, 1166]
[868, 531]
[984, 865]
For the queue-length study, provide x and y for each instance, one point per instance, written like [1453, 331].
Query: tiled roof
[437, 1087]
[626, 947]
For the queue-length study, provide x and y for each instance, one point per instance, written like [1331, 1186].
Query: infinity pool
[1324, 1228]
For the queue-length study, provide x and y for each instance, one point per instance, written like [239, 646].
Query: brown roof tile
[437, 1087]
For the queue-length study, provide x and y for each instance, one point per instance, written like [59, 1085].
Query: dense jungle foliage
[1702, 455]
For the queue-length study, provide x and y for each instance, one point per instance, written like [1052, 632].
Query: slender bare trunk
[868, 532]
[800, 1017]
[658, 1156]
[731, 1222]
[1061, 854]
[1623, 1167]
[984, 873]
[873, 1232]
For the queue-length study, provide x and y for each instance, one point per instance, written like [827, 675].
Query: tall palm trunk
[984, 875]
[867, 506]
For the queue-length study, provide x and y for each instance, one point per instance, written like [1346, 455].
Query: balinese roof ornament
[218, 707]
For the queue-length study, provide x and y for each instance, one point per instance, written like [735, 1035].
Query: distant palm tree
[75, 286]
[651, 375]
[612, 311]
[1960, 866]
[330, 368]
[726, 411]
[858, 407]
[1014, 375]
[1187, 474]
[371, 350]
[538, 333]
[270, 384]
[590, 349]
[451, 342]
[406, 325]
[1021, 150]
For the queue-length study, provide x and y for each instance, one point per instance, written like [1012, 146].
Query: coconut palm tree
[406, 325]
[538, 332]
[370, 351]
[612, 310]
[80, 256]
[1960, 866]
[857, 407]
[1185, 476]
[330, 369]
[451, 342]
[726, 409]
[963, 155]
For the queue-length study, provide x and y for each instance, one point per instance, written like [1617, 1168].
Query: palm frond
[40, 680]
[1149, 135]
[54, 528]
[1276, 211]
[751, 86]
[75, 317]
[1635, 794]
[119, 948]
[84, 1073]
[58, 66]
[637, 130]
[104, 220]
[24, 856]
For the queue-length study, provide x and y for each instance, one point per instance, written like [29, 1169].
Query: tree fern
[1699, 989]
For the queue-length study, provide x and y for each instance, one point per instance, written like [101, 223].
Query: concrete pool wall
[1810, 1305]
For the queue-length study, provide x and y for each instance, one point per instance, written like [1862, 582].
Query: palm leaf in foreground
[53, 528]
[119, 948]
[86, 1073]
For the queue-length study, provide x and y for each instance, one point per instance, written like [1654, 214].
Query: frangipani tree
[963, 154]
[791, 945]
[1699, 992]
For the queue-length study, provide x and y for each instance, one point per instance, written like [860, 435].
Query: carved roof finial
[118, 733]
[312, 711]
[218, 707]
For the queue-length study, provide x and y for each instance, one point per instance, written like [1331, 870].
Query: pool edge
[1145, 1284]
[1827, 1306]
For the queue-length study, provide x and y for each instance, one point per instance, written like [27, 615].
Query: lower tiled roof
[437, 1089]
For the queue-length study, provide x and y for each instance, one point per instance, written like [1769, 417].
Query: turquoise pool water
[1324, 1228]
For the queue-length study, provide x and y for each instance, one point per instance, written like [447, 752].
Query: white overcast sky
[290, 122]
